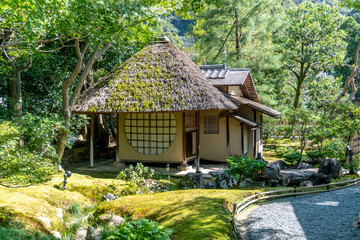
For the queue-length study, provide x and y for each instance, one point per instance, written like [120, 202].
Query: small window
[190, 119]
[211, 124]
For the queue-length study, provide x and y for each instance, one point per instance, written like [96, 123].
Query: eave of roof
[255, 105]
[239, 118]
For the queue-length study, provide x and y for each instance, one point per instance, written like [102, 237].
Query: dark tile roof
[221, 75]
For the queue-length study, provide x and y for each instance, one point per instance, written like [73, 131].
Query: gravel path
[323, 216]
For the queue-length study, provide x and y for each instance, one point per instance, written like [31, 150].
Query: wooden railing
[240, 206]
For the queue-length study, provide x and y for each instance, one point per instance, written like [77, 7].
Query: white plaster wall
[213, 146]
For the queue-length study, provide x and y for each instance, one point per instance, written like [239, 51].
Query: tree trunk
[67, 102]
[237, 36]
[15, 91]
[351, 80]
[297, 97]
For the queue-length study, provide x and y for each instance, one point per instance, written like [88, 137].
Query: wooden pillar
[184, 138]
[227, 136]
[197, 141]
[118, 137]
[242, 139]
[92, 141]
[254, 136]
[254, 143]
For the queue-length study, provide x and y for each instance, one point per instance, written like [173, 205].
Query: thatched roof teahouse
[165, 104]
[159, 78]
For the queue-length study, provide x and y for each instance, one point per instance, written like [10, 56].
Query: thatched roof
[159, 78]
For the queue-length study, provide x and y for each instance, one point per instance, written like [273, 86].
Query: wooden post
[242, 139]
[254, 136]
[118, 138]
[92, 141]
[254, 143]
[227, 136]
[184, 138]
[197, 141]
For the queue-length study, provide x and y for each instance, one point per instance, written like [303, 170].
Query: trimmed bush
[242, 167]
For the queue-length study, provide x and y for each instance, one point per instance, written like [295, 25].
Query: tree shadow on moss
[199, 218]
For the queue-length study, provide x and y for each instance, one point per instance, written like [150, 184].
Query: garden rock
[210, 185]
[273, 183]
[56, 234]
[222, 179]
[319, 178]
[260, 183]
[293, 177]
[304, 166]
[193, 180]
[271, 173]
[59, 213]
[93, 234]
[116, 220]
[330, 167]
[184, 167]
[109, 197]
[247, 183]
[281, 164]
[81, 234]
[45, 221]
[306, 184]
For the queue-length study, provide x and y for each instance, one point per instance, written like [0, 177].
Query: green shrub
[34, 162]
[281, 151]
[243, 167]
[15, 233]
[136, 177]
[137, 174]
[293, 157]
[353, 166]
[335, 149]
[139, 230]
[315, 154]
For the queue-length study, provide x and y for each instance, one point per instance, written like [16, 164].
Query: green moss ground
[192, 214]
[274, 143]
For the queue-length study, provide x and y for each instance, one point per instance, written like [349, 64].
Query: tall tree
[238, 32]
[312, 43]
[355, 68]
[87, 26]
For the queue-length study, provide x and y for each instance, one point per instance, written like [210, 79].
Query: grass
[192, 214]
[272, 144]
[26, 204]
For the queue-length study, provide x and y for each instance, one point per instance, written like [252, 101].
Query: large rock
[303, 165]
[46, 222]
[319, 178]
[247, 183]
[222, 179]
[293, 177]
[306, 184]
[93, 234]
[210, 185]
[109, 197]
[271, 175]
[81, 234]
[281, 164]
[330, 167]
[116, 220]
[193, 180]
